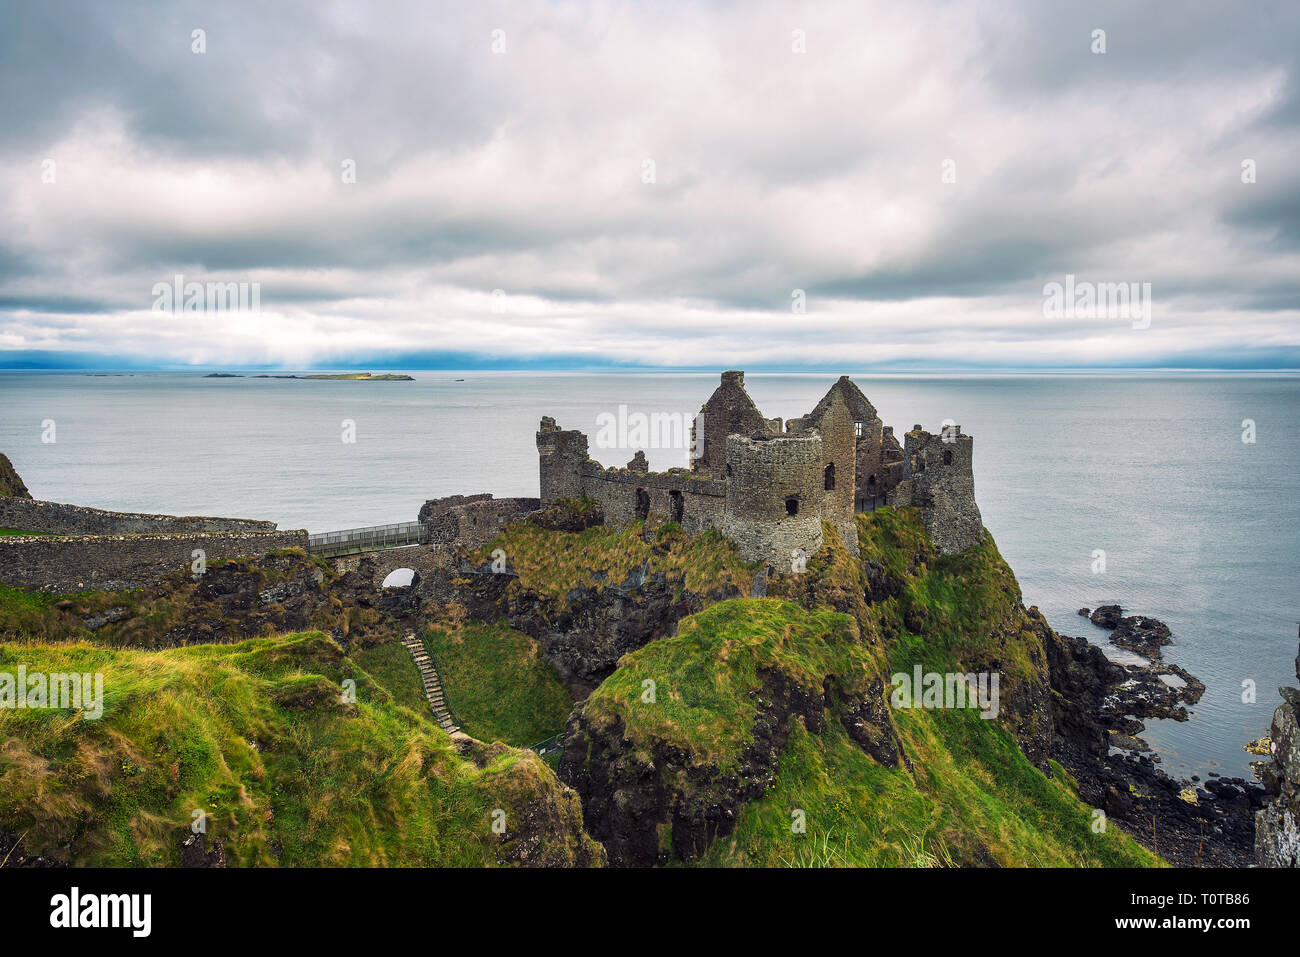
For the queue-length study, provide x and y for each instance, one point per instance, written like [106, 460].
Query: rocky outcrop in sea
[1277, 826]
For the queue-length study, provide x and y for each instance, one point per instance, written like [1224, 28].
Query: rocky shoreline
[1100, 706]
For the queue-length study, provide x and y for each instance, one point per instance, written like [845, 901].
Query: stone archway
[401, 578]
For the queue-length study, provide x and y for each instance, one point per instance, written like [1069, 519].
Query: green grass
[705, 677]
[971, 796]
[555, 563]
[12, 532]
[497, 684]
[391, 667]
[971, 800]
[258, 736]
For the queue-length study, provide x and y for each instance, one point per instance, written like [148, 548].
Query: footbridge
[372, 538]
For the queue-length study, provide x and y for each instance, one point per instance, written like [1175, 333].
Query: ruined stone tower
[937, 479]
[561, 456]
[774, 497]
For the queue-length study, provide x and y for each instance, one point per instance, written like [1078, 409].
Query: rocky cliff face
[1277, 826]
[11, 486]
[585, 632]
[655, 788]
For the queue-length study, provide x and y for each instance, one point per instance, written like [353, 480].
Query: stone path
[432, 686]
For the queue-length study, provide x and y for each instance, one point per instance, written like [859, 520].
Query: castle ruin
[769, 486]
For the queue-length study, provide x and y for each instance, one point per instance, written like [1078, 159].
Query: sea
[1172, 495]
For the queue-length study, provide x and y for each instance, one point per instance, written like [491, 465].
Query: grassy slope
[971, 798]
[496, 683]
[257, 735]
[555, 563]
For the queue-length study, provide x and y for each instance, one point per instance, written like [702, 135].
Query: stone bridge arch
[424, 560]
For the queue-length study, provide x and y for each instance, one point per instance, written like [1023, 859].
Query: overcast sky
[523, 169]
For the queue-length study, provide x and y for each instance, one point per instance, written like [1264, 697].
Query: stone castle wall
[56, 518]
[742, 488]
[59, 565]
[938, 480]
[472, 520]
[774, 497]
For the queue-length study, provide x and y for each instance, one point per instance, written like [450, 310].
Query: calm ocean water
[1199, 528]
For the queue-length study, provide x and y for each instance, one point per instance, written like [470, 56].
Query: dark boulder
[1107, 616]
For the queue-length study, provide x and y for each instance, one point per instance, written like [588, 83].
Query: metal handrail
[367, 538]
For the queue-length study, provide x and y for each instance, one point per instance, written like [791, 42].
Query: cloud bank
[768, 185]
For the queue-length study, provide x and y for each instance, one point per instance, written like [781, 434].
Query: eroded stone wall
[729, 411]
[774, 494]
[56, 518]
[937, 479]
[472, 520]
[60, 564]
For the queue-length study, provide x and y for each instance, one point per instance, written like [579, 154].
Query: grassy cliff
[767, 740]
[260, 737]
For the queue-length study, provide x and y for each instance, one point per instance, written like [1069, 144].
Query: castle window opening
[830, 477]
[679, 505]
[792, 505]
[857, 429]
[642, 504]
[947, 457]
[871, 481]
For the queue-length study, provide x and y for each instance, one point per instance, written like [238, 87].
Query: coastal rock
[1106, 616]
[107, 617]
[11, 486]
[1141, 635]
[1095, 706]
[1277, 826]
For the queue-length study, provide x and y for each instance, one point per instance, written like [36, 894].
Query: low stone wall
[56, 518]
[114, 562]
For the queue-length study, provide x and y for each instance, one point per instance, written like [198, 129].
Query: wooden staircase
[432, 686]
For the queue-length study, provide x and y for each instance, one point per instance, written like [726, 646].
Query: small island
[351, 376]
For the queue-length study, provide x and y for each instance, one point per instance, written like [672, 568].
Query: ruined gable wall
[562, 455]
[834, 422]
[729, 411]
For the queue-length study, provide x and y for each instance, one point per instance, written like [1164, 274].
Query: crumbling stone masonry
[57, 518]
[937, 479]
[472, 520]
[766, 488]
[113, 562]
